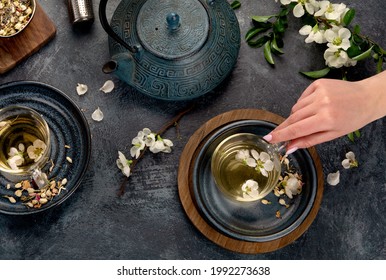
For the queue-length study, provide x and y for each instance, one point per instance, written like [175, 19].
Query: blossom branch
[168, 125]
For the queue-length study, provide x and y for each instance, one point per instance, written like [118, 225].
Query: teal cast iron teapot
[172, 49]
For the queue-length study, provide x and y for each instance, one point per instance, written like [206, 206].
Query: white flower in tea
[124, 164]
[243, 155]
[36, 150]
[16, 158]
[350, 161]
[333, 178]
[250, 188]
[264, 164]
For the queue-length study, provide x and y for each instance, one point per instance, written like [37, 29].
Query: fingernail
[292, 150]
[268, 137]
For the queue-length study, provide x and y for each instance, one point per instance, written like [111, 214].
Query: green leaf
[259, 42]
[253, 32]
[348, 17]
[379, 64]
[262, 18]
[353, 51]
[317, 74]
[268, 53]
[235, 5]
[357, 29]
[351, 136]
[363, 55]
[275, 47]
[284, 11]
[357, 133]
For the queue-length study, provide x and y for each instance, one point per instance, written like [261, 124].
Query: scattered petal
[107, 87]
[69, 159]
[97, 115]
[81, 89]
[333, 178]
[265, 201]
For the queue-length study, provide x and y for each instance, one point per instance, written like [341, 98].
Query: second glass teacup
[246, 167]
[24, 143]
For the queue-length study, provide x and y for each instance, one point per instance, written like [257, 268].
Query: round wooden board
[185, 182]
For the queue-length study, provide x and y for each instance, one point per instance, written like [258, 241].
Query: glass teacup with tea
[24, 144]
[246, 167]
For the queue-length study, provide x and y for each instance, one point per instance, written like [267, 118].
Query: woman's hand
[329, 108]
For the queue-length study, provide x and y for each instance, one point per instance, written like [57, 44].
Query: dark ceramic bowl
[69, 136]
[250, 221]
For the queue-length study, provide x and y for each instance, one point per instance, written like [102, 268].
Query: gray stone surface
[148, 222]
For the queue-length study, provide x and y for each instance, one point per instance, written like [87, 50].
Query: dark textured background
[148, 222]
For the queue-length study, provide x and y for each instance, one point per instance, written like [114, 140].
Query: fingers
[312, 140]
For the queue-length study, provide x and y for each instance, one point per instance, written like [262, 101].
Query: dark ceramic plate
[68, 127]
[250, 221]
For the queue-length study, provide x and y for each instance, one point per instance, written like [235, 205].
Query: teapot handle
[109, 30]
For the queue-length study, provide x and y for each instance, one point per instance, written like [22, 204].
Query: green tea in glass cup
[245, 167]
[24, 143]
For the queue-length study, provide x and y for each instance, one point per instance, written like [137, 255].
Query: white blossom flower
[315, 34]
[331, 11]
[161, 145]
[333, 178]
[36, 150]
[310, 5]
[336, 58]
[338, 38]
[242, 155]
[292, 186]
[124, 164]
[350, 161]
[250, 189]
[138, 145]
[264, 163]
[15, 159]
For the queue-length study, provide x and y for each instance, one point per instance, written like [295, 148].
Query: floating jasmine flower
[36, 150]
[333, 178]
[350, 161]
[15, 159]
[338, 38]
[107, 87]
[97, 115]
[124, 164]
[242, 155]
[81, 89]
[264, 163]
[250, 189]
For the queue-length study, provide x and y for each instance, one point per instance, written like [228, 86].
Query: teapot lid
[172, 29]
[172, 49]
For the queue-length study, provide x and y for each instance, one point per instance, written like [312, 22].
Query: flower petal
[333, 178]
[305, 30]
[108, 86]
[264, 156]
[81, 89]
[298, 10]
[346, 163]
[97, 115]
[350, 155]
[268, 165]
[251, 162]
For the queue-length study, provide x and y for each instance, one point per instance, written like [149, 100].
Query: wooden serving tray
[15, 49]
[189, 155]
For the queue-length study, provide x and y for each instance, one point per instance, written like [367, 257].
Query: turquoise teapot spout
[172, 49]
